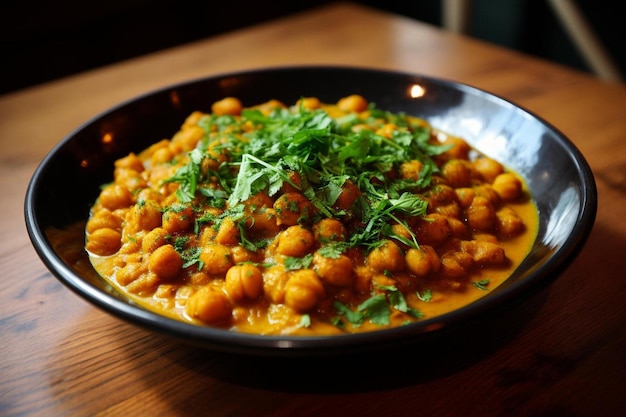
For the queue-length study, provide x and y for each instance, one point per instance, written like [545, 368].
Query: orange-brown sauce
[190, 258]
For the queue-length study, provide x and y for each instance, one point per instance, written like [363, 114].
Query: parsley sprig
[377, 308]
[326, 153]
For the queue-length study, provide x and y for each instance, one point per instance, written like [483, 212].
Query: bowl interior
[67, 181]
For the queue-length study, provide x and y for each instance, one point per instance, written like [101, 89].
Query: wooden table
[563, 352]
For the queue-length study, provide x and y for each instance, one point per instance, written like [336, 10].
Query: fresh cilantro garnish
[180, 242]
[397, 301]
[482, 284]
[377, 308]
[326, 153]
[292, 263]
[333, 249]
[191, 256]
[426, 296]
[305, 320]
[188, 177]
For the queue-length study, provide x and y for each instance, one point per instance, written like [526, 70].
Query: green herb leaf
[292, 263]
[426, 296]
[482, 284]
[333, 249]
[305, 321]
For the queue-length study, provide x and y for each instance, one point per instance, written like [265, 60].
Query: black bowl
[67, 182]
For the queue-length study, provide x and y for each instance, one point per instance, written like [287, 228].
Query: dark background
[42, 41]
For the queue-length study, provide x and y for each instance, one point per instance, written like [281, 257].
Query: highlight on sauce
[307, 219]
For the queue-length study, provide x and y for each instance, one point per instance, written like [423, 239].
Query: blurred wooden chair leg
[586, 40]
[456, 15]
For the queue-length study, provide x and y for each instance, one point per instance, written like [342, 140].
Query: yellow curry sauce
[308, 219]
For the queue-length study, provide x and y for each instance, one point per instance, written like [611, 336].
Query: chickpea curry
[308, 219]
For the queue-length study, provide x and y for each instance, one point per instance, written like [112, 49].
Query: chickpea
[144, 285]
[130, 247]
[209, 305]
[294, 185]
[130, 272]
[187, 138]
[402, 231]
[363, 279]
[150, 195]
[508, 222]
[353, 103]
[457, 227]
[487, 191]
[207, 235]
[165, 291]
[104, 218]
[293, 208]
[381, 280]
[488, 168]
[159, 173]
[347, 197]
[178, 219]
[458, 173]
[269, 106]
[329, 230]
[263, 223]
[508, 186]
[104, 242]
[309, 103]
[193, 118]
[130, 179]
[227, 233]
[147, 153]
[411, 170]
[175, 148]
[274, 282]
[456, 264]
[441, 195]
[422, 261]
[154, 239]
[145, 216]
[295, 241]
[227, 106]
[387, 257]
[131, 161]
[199, 278]
[212, 161]
[484, 253]
[244, 282]
[360, 127]
[335, 271]
[488, 237]
[161, 156]
[165, 262]
[216, 259]
[387, 130]
[465, 195]
[459, 150]
[452, 210]
[240, 255]
[481, 214]
[115, 196]
[432, 229]
[303, 290]
[258, 201]
[182, 295]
